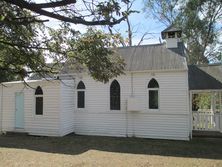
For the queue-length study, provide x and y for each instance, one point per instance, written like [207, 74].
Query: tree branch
[23, 21]
[23, 46]
[75, 20]
[54, 4]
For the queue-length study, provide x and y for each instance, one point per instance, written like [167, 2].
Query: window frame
[77, 100]
[148, 96]
[119, 96]
[38, 95]
[153, 89]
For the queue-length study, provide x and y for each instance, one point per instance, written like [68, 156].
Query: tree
[200, 21]
[25, 40]
[91, 52]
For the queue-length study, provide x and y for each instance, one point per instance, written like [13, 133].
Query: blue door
[19, 110]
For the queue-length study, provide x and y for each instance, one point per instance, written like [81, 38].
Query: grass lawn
[73, 150]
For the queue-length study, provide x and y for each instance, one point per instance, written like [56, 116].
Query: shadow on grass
[75, 144]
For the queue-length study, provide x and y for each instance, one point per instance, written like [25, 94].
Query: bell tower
[172, 36]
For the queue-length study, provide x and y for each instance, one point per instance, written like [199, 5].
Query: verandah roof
[205, 77]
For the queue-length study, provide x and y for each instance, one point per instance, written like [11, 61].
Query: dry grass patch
[73, 150]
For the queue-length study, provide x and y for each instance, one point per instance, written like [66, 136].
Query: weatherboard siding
[171, 121]
[8, 107]
[61, 116]
[46, 124]
[67, 107]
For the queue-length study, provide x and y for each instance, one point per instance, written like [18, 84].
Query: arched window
[81, 95]
[38, 101]
[153, 91]
[115, 95]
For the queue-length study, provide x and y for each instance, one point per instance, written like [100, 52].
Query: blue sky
[140, 22]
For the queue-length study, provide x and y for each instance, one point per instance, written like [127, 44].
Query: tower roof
[171, 28]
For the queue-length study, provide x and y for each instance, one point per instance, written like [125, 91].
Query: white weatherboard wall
[171, 121]
[67, 106]
[46, 124]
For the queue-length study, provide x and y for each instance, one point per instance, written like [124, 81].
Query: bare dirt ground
[73, 150]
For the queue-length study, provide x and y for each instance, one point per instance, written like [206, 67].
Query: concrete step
[16, 132]
[19, 130]
[215, 134]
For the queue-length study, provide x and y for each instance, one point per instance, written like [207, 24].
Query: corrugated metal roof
[139, 58]
[145, 57]
[205, 77]
[55, 67]
[152, 57]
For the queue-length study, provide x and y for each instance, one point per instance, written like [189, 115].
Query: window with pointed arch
[81, 95]
[115, 95]
[153, 94]
[38, 101]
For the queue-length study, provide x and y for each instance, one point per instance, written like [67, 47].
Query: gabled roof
[171, 28]
[55, 67]
[205, 77]
[152, 57]
[147, 57]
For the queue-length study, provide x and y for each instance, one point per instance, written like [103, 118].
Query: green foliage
[26, 42]
[201, 101]
[18, 42]
[8, 76]
[200, 21]
[93, 50]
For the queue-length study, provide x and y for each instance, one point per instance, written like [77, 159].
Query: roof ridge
[136, 46]
[206, 65]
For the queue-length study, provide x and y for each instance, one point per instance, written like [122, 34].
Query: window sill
[80, 109]
[114, 110]
[153, 110]
[38, 116]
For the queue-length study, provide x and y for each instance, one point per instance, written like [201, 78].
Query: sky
[140, 22]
